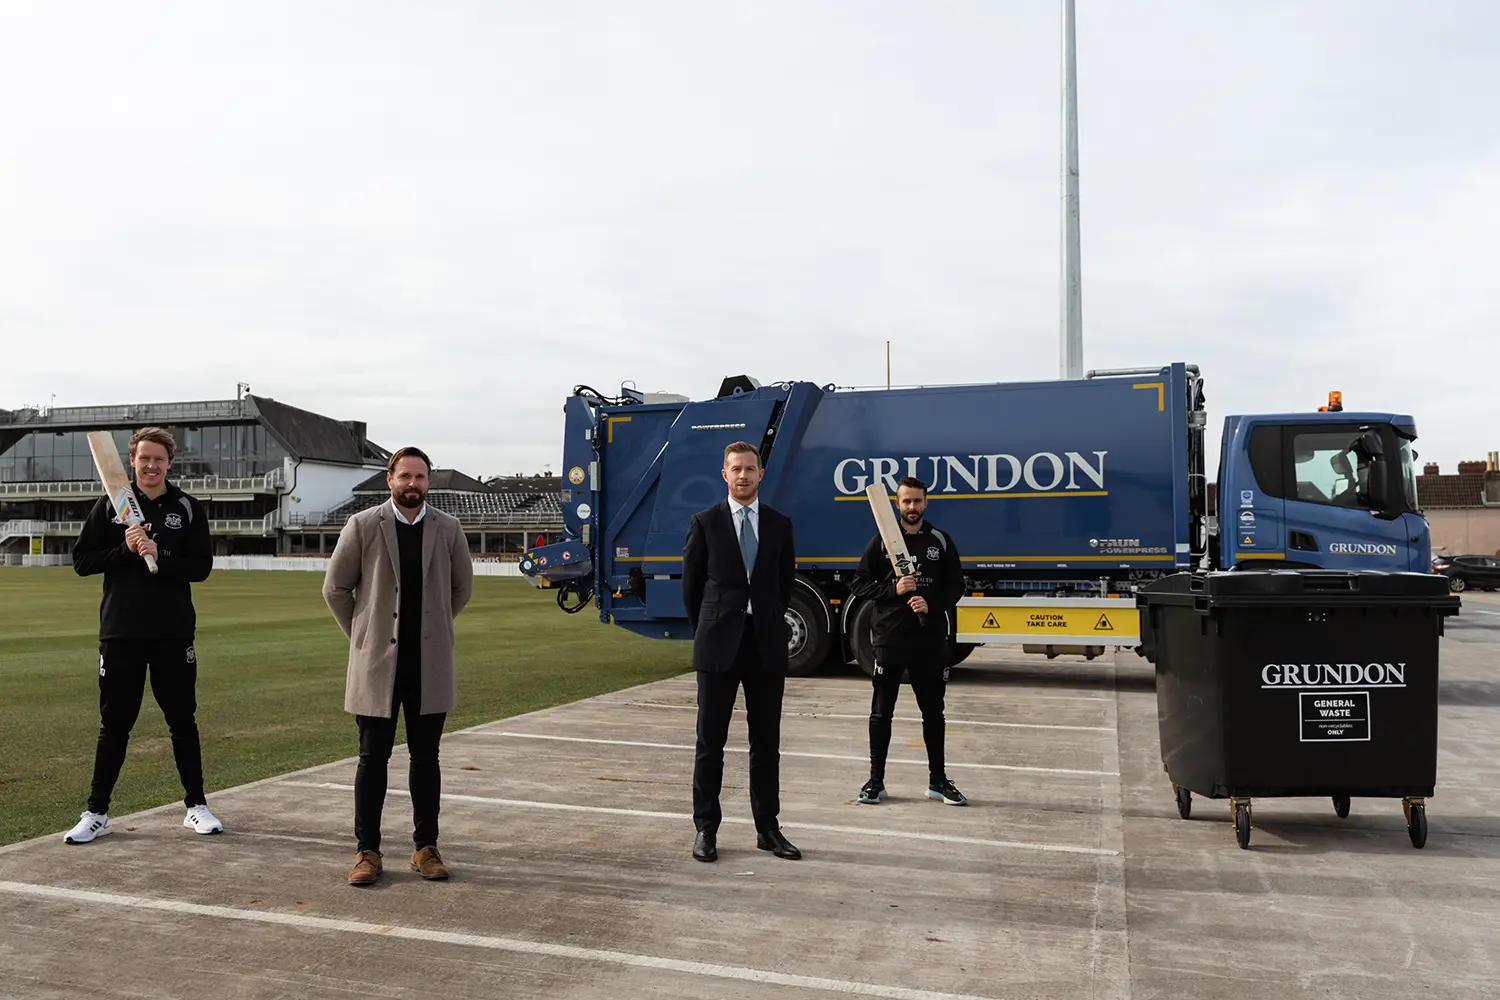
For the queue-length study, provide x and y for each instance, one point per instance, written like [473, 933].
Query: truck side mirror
[1371, 445]
[1380, 481]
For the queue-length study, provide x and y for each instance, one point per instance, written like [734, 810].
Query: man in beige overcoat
[398, 576]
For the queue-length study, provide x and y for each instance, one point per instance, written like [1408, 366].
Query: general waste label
[1335, 716]
[1050, 624]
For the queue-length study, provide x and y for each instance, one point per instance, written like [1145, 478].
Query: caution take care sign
[1085, 621]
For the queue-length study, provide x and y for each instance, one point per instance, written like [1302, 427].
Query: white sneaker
[91, 826]
[200, 820]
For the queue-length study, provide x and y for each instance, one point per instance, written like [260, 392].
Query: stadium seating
[472, 509]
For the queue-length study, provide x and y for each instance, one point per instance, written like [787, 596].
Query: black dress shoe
[778, 845]
[704, 848]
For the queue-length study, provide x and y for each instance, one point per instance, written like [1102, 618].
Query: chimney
[1430, 469]
[1471, 468]
[1494, 462]
[357, 429]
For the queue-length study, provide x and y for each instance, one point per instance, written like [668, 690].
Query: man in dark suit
[738, 568]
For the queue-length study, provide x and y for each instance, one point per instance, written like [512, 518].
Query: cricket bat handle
[151, 563]
[921, 615]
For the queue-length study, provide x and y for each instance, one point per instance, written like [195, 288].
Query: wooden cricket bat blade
[891, 534]
[127, 510]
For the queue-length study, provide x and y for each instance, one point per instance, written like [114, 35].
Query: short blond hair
[740, 448]
[159, 435]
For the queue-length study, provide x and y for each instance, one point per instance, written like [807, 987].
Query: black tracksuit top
[138, 604]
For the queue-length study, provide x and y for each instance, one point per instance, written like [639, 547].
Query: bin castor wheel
[1416, 822]
[1341, 806]
[1184, 801]
[1241, 823]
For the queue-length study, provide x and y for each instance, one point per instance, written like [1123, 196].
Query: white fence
[310, 564]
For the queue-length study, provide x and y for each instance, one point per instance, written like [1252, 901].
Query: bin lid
[1277, 587]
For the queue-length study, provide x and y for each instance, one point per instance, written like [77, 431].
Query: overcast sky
[440, 217]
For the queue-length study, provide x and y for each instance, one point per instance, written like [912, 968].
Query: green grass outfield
[270, 683]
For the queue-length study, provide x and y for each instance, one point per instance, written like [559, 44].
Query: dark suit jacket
[715, 589]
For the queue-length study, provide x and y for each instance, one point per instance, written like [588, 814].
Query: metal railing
[21, 529]
[82, 489]
[138, 413]
[317, 519]
[264, 526]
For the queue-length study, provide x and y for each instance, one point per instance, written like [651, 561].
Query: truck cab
[1325, 490]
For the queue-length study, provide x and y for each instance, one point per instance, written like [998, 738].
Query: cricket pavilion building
[275, 479]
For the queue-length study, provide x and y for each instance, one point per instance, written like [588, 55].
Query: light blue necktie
[747, 541]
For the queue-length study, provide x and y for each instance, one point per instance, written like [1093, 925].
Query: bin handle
[1329, 582]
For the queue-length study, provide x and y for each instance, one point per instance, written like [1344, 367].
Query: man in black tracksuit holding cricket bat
[147, 624]
[904, 643]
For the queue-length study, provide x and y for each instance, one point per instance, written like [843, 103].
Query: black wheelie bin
[1298, 683]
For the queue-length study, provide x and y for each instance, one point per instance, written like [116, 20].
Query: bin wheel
[1341, 806]
[1242, 824]
[1416, 823]
[1184, 801]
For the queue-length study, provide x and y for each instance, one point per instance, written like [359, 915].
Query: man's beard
[410, 499]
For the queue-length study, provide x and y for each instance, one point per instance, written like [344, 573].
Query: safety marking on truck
[990, 496]
[610, 422]
[1161, 393]
[1046, 624]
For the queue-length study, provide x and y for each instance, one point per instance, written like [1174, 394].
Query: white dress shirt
[421, 513]
[734, 513]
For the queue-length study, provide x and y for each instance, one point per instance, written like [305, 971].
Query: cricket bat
[116, 484]
[891, 534]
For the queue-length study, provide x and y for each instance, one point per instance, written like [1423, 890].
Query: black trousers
[716, 697]
[377, 737]
[124, 665]
[928, 683]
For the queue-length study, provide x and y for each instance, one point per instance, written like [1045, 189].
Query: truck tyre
[807, 633]
[961, 651]
[864, 650]
[859, 637]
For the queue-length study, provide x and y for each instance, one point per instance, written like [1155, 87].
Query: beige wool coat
[361, 588]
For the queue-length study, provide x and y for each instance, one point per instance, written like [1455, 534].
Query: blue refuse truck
[1063, 497]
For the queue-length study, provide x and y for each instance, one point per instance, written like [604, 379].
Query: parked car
[1469, 572]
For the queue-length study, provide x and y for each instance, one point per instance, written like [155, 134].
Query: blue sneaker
[948, 792]
[873, 792]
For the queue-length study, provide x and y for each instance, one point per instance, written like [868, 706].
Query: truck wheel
[807, 634]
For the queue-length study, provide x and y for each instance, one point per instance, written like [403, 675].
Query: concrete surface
[569, 833]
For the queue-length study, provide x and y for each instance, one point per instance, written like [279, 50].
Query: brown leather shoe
[367, 868]
[429, 863]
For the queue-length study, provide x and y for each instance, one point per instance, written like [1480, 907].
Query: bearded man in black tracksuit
[146, 626]
[904, 643]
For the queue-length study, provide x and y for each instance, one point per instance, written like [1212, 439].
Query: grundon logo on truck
[1043, 472]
